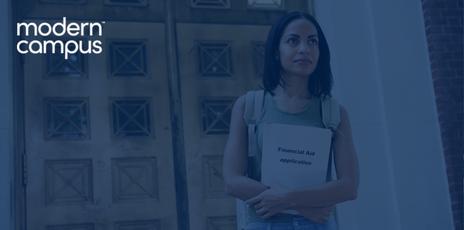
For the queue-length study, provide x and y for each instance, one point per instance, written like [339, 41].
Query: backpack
[254, 111]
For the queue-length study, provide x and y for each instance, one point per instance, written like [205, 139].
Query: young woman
[297, 76]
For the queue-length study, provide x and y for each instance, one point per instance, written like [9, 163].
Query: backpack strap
[330, 113]
[254, 110]
[249, 104]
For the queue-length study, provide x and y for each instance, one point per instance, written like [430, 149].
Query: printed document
[294, 157]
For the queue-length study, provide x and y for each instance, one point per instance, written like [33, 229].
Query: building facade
[133, 138]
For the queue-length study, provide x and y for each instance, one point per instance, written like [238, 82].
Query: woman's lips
[302, 61]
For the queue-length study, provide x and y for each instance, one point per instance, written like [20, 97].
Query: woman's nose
[303, 48]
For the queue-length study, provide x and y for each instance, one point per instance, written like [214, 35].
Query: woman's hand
[319, 215]
[269, 203]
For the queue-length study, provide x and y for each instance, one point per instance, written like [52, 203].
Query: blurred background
[132, 138]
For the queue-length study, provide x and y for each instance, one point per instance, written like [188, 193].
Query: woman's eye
[313, 42]
[292, 41]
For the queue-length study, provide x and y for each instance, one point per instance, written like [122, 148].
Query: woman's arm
[346, 163]
[235, 157]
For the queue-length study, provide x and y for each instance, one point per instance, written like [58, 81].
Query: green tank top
[310, 116]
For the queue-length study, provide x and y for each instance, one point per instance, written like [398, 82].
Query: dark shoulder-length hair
[320, 81]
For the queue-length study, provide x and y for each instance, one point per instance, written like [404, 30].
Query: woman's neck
[294, 86]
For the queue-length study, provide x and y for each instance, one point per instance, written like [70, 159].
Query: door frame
[19, 169]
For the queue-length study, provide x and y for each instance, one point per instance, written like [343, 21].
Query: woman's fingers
[265, 212]
[253, 200]
[261, 211]
[267, 215]
[258, 205]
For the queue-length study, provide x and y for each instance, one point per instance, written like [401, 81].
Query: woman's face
[299, 48]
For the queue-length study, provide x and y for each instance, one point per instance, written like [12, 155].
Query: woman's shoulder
[240, 103]
[333, 101]
[244, 105]
[335, 112]
[248, 97]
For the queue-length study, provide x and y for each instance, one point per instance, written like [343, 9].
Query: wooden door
[98, 140]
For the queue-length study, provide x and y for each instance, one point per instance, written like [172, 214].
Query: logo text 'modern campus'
[61, 37]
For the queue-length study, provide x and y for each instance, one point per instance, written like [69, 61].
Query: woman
[296, 77]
